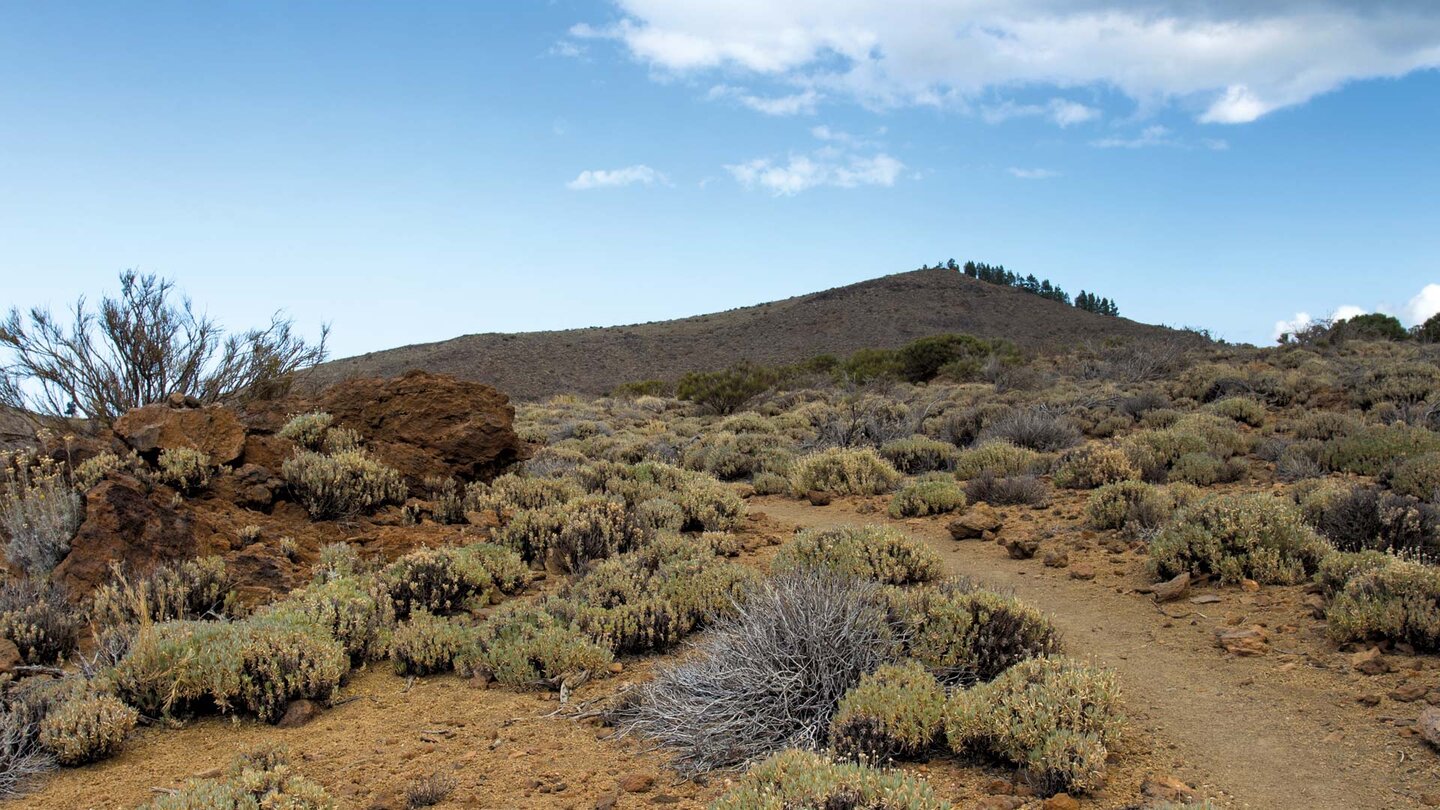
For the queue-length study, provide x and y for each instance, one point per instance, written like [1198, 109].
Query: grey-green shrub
[1235, 537]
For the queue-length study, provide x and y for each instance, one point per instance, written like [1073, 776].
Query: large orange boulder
[127, 524]
[425, 424]
[213, 430]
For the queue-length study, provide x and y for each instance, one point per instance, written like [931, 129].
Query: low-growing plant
[1374, 448]
[527, 648]
[428, 791]
[357, 610]
[1235, 537]
[927, 496]
[877, 553]
[259, 779]
[1398, 601]
[183, 468]
[919, 454]
[1241, 409]
[803, 780]
[93, 470]
[1336, 570]
[1114, 506]
[965, 635]
[1417, 476]
[341, 484]
[1034, 428]
[444, 580]
[1094, 466]
[843, 471]
[572, 534]
[188, 589]
[1204, 469]
[86, 729]
[36, 616]
[896, 712]
[39, 512]
[1053, 718]
[998, 458]
[306, 429]
[425, 644]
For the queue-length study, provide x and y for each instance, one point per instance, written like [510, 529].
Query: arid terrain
[1076, 562]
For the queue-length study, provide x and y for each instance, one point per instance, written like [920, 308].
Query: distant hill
[885, 312]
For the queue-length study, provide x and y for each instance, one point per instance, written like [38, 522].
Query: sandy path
[1259, 736]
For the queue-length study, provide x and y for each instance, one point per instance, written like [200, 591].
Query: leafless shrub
[769, 677]
[1039, 428]
[429, 790]
[1135, 361]
[139, 348]
[1007, 491]
[21, 756]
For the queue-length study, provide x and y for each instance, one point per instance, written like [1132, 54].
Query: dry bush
[1417, 476]
[1094, 466]
[307, 429]
[444, 580]
[1204, 469]
[802, 780]
[964, 635]
[876, 553]
[1235, 537]
[816, 634]
[1037, 428]
[1326, 425]
[1241, 409]
[346, 483]
[428, 791]
[1374, 448]
[95, 469]
[1008, 491]
[1054, 718]
[570, 535]
[896, 712]
[527, 648]
[863, 420]
[1131, 505]
[997, 458]
[259, 779]
[425, 644]
[356, 610]
[39, 620]
[510, 493]
[39, 512]
[22, 759]
[731, 456]
[138, 349]
[1361, 518]
[928, 496]
[843, 471]
[189, 589]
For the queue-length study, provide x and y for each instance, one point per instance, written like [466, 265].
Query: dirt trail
[1271, 732]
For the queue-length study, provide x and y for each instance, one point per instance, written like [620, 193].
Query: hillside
[880, 313]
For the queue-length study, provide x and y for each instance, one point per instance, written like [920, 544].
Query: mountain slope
[880, 313]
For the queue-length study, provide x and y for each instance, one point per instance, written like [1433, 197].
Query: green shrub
[357, 611]
[1114, 506]
[1400, 383]
[1418, 477]
[996, 458]
[1094, 466]
[1397, 601]
[963, 635]
[731, 456]
[1241, 409]
[345, 483]
[726, 391]
[843, 471]
[803, 780]
[919, 454]
[1054, 718]
[528, 648]
[86, 729]
[896, 712]
[651, 598]
[1235, 537]
[426, 644]
[769, 483]
[1374, 448]
[510, 493]
[183, 468]
[444, 580]
[1204, 469]
[93, 470]
[258, 665]
[39, 620]
[1326, 425]
[306, 429]
[927, 496]
[572, 534]
[1336, 570]
[187, 589]
[877, 553]
[262, 780]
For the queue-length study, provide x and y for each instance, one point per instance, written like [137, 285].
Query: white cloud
[1059, 111]
[1150, 136]
[1425, 304]
[1231, 61]
[1347, 312]
[615, 178]
[1033, 174]
[823, 168]
[568, 49]
[802, 103]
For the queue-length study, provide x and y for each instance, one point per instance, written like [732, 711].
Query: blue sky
[413, 171]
